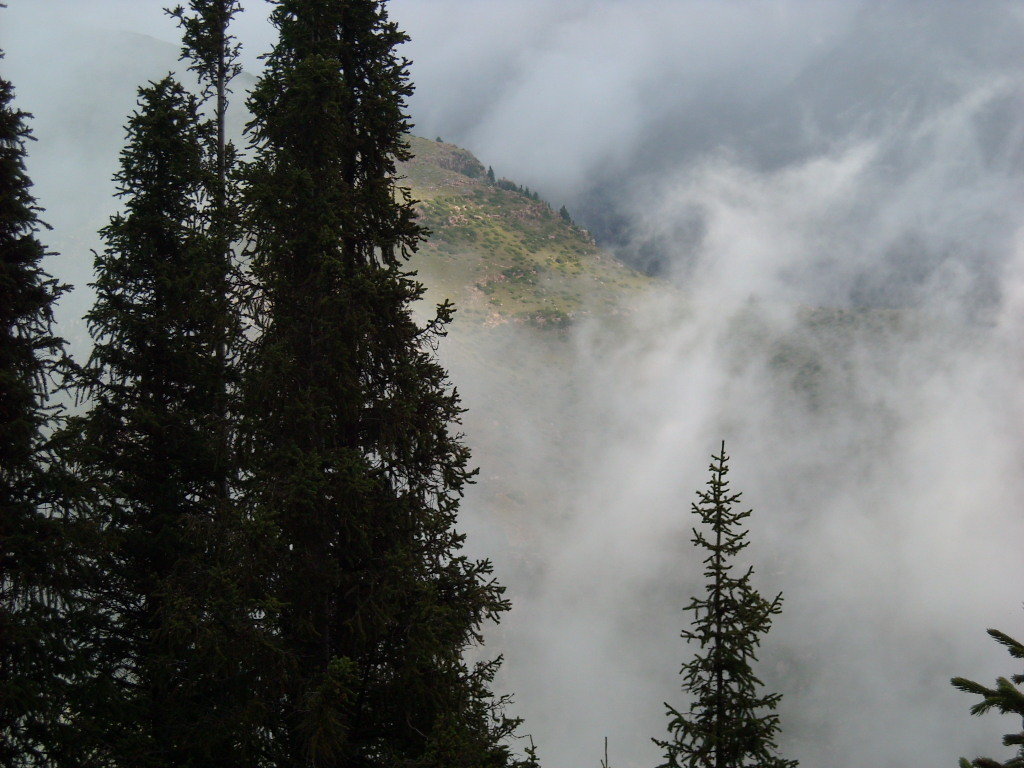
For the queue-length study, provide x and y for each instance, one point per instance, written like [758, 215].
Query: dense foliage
[151, 448]
[34, 558]
[174, 580]
[350, 452]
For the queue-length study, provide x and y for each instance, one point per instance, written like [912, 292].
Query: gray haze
[774, 160]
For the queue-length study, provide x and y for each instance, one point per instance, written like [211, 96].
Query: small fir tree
[730, 723]
[1006, 698]
[34, 556]
[564, 213]
[490, 174]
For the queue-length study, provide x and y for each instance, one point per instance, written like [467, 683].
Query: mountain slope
[501, 255]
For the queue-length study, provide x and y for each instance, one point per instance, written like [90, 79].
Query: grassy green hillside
[502, 256]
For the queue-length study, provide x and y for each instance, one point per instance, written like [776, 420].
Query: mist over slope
[621, 109]
[836, 190]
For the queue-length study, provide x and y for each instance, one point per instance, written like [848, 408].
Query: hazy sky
[776, 158]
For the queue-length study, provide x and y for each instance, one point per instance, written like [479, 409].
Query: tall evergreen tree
[237, 643]
[730, 723]
[1006, 698]
[33, 552]
[171, 687]
[350, 434]
[212, 52]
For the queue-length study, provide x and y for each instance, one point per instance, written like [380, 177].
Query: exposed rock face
[456, 159]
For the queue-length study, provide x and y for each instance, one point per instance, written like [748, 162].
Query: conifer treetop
[211, 50]
[730, 723]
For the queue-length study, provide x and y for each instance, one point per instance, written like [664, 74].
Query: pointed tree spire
[730, 722]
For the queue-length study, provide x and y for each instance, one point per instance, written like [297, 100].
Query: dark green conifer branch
[1006, 698]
